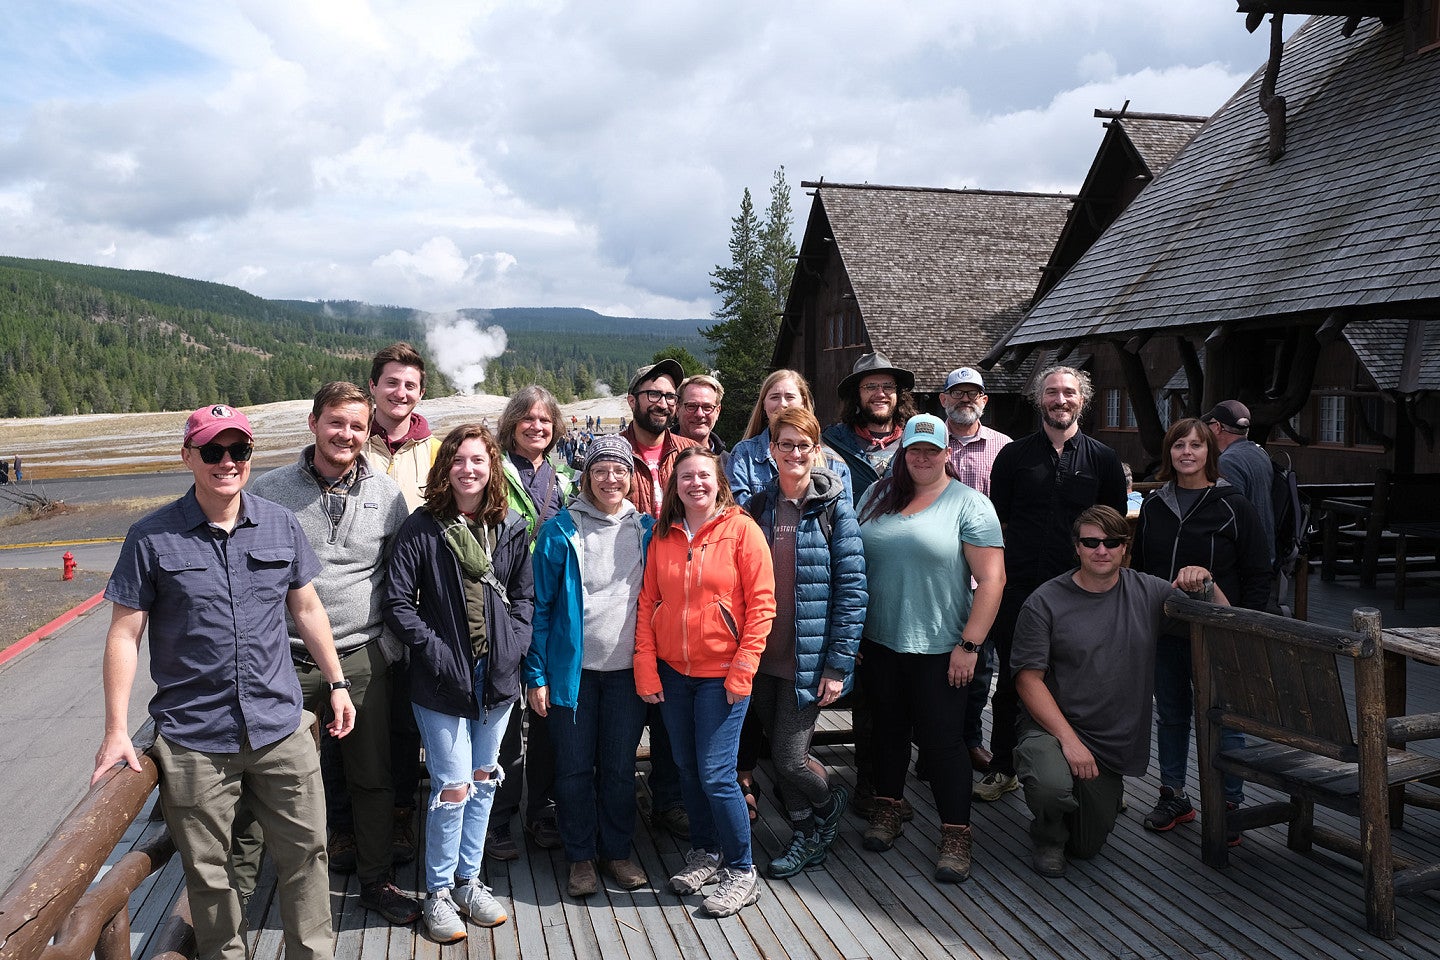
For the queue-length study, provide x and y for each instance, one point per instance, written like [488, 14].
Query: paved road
[53, 713]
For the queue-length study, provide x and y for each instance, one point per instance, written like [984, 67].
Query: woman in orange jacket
[706, 605]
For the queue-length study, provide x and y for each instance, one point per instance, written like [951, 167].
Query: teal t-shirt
[919, 581]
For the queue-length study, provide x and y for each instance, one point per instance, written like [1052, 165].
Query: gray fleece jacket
[352, 553]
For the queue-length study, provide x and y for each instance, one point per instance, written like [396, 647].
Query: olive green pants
[1075, 814]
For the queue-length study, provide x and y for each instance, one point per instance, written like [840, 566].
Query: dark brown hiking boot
[885, 824]
[953, 863]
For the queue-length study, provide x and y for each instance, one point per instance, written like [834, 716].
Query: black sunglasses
[1091, 543]
[212, 453]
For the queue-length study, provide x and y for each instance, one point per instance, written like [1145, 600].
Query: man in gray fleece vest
[350, 516]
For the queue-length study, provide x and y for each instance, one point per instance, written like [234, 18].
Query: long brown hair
[672, 511]
[440, 496]
[1183, 428]
[894, 493]
[758, 420]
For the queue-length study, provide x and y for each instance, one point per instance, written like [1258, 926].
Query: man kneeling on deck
[213, 575]
[1084, 664]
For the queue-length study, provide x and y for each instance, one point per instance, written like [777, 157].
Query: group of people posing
[463, 594]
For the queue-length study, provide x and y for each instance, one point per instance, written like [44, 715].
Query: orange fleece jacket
[706, 604]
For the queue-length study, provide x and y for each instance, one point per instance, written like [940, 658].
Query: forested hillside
[82, 339]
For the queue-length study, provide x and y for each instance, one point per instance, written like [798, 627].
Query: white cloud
[443, 155]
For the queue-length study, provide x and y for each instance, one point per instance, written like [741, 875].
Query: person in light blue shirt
[926, 535]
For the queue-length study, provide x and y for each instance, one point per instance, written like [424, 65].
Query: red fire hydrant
[70, 565]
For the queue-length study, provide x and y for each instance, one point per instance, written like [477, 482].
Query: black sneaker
[1170, 810]
[545, 832]
[390, 902]
[499, 844]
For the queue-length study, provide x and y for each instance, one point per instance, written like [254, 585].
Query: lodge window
[1331, 420]
[1112, 407]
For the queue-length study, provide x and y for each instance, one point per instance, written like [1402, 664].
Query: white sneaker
[700, 869]
[738, 889]
[442, 923]
[475, 900]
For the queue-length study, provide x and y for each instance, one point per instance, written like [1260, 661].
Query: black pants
[1005, 704]
[912, 697]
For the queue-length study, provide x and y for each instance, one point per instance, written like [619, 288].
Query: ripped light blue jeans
[456, 747]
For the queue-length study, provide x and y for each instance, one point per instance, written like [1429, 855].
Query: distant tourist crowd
[524, 604]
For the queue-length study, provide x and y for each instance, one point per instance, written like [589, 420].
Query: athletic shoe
[442, 923]
[341, 852]
[738, 889]
[545, 832]
[674, 820]
[807, 849]
[475, 900]
[827, 825]
[1170, 810]
[499, 844]
[994, 786]
[390, 902]
[700, 868]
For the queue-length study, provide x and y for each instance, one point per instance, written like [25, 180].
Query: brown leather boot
[885, 824]
[953, 863]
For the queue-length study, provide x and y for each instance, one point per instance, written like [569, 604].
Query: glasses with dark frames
[657, 396]
[212, 453]
[1093, 543]
[702, 408]
[790, 446]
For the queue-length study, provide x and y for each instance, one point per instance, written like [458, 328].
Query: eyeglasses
[1093, 543]
[609, 473]
[212, 453]
[703, 408]
[657, 396]
[789, 446]
[888, 387]
[960, 394]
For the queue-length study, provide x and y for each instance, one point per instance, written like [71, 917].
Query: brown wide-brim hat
[875, 363]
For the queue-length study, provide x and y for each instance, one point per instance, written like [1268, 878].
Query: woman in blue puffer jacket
[820, 599]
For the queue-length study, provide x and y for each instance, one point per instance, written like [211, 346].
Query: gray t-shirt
[1246, 465]
[1098, 654]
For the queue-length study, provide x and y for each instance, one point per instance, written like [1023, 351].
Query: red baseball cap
[207, 423]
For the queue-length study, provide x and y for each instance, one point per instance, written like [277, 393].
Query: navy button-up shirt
[219, 648]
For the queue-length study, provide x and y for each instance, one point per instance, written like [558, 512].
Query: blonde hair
[758, 420]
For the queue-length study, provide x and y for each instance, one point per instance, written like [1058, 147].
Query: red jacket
[706, 604]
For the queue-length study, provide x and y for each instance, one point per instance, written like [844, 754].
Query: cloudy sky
[443, 154]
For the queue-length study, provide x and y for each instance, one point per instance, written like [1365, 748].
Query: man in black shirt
[1039, 484]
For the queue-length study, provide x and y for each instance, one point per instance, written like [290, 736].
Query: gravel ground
[32, 598]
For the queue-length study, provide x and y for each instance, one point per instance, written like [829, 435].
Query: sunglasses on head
[212, 453]
[1092, 543]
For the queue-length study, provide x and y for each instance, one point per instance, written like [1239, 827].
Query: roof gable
[938, 274]
[1348, 218]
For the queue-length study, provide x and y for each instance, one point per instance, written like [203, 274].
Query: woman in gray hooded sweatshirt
[589, 563]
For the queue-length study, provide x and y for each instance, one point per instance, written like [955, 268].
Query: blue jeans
[595, 745]
[455, 748]
[1174, 711]
[705, 739]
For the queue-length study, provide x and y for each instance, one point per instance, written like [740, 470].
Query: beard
[655, 420]
[962, 414]
[1061, 419]
[873, 419]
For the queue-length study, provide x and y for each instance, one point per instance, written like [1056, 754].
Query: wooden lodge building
[1287, 256]
[928, 277]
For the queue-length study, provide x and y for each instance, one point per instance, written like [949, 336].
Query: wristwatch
[339, 685]
[969, 647]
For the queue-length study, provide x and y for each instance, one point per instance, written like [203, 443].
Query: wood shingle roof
[940, 274]
[1348, 218]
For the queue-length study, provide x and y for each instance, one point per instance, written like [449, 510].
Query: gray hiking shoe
[442, 923]
[475, 900]
[700, 869]
[738, 889]
[807, 849]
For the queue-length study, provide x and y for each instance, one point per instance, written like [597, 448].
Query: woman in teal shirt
[926, 536]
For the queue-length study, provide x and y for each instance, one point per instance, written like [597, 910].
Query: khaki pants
[199, 793]
[1075, 814]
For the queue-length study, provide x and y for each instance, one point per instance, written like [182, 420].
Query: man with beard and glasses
[652, 400]
[1039, 484]
[972, 450]
[877, 403]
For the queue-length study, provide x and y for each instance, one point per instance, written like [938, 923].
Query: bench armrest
[1418, 726]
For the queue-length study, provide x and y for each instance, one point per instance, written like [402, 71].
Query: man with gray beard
[972, 451]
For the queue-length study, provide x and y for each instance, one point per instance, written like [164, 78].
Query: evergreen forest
[84, 339]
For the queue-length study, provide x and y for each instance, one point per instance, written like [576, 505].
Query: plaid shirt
[335, 492]
[972, 457]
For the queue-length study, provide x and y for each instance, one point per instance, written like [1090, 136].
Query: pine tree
[744, 337]
[777, 249]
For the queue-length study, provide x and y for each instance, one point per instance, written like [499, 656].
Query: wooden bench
[1278, 680]
[1363, 532]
